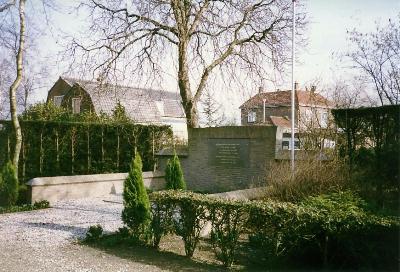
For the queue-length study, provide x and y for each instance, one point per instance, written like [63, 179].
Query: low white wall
[72, 187]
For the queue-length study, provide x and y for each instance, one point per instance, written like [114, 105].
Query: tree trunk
[189, 105]
[14, 87]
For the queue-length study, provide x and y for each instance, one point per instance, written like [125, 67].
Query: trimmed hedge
[54, 148]
[335, 230]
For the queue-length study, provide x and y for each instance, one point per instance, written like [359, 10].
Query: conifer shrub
[8, 186]
[136, 212]
[174, 174]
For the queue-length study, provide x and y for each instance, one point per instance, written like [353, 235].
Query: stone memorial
[226, 158]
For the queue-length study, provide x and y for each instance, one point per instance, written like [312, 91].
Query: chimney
[260, 89]
[296, 86]
[313, 88]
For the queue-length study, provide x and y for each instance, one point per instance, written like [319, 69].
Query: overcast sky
[329, 22]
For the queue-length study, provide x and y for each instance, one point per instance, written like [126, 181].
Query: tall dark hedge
[83, 147]
[8, 186]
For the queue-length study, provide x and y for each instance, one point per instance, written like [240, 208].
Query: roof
[280, 121]
[141, 105]
[283, 98]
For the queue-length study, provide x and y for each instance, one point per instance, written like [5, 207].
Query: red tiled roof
[280, 121]
[283, 98]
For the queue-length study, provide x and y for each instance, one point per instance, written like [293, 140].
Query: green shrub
[338, 227]
[42, 204]
[94, 233]
[162, 223]
[188, 213]
[136, 212]
[336, 230]
[174, 175]
[124, 232]
[228, 220]
[191, 220]
[9, 186]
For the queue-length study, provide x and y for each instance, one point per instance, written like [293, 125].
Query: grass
[25, 207]
[171, 255]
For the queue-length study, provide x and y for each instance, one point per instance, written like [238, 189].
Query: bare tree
[377, 55]
[5, 82]
[20, 47]
[202, 38]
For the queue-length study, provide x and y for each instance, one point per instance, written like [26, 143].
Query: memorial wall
[228, 158]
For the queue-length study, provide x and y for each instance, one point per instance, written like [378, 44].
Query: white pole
[264, 100]
[293, 87]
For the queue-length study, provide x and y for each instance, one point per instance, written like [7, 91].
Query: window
[324, 119]
[76, 105]
[286, 144]
[289, 135]
[287, 139]
[57, 100]
[251, 117]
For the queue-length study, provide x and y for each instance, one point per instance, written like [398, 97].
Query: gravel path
[45, 240]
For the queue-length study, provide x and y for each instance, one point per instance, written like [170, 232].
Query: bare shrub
[311, 177]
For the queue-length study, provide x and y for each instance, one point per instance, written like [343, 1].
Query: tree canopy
[196, 38]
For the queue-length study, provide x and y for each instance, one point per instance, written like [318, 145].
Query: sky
[329, 21]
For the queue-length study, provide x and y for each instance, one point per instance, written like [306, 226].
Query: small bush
[136, 212]
[162, 223]
[9, 186]
[174, 175]
[311, 178]
[190, 222]
[94, 233]
[228, 223]
[124, 232]
[42, 204]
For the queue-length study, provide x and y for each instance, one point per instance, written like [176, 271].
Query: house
[312, 112]
[143, 106]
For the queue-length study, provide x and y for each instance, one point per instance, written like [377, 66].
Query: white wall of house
[313, 117]
[178, 126]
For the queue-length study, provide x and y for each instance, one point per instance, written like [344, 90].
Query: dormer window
[160, 107]
[251, 117]
[76, 105]
[57, 100]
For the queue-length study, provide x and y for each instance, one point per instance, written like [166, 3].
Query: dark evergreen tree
[136, 212]
[174, 174]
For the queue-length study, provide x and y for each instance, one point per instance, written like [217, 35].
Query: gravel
[45, 240]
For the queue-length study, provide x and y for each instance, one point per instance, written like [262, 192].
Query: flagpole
[293, 88]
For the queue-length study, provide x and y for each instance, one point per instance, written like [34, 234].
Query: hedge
[336, 231]
[52, 148]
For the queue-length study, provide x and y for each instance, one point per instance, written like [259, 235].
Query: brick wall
[205, 172]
